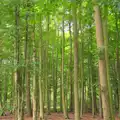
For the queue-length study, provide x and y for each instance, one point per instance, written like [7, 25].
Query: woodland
[59, 59]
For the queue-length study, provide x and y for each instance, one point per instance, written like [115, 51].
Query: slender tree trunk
[100, 101]
[82, 102]
[70, 72]
[102, 64]
[61, 82]
[56, 83]
[75, 37]
[91, 82]
[118, 61]
[27, 76]
[67, 87]
[82, 80]
[56, 72]
[37, 74]
[44, 76]
[15, 85]
[41, 76]
[17, 59]
[5, 90]
[62, 77]
[53, 76]
[34, 75]
[91, 77]
[18, 82]
[95, 99]
[105, 31]
[47, 66]
[12, 90]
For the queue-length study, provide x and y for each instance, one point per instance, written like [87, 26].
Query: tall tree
[70, 71]
[48, 84]
[102, 63]
[117, 57]
[40, 71]
[18, 82]
[105, 33]
[62, 75]
[27, 73]
[75, 37]
[34, 73]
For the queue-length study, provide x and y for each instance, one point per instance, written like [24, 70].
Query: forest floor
[58, 116]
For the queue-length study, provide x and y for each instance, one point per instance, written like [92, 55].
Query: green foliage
[55, 9]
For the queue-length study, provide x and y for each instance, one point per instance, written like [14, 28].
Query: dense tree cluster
[60, 55]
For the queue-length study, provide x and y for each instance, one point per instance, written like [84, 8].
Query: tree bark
[62, 75]
[105, 31]
[70, 72]
[40, 74]
[75, 37]
[102, 64]
[34, 74]
[27, 74]
[18, 82]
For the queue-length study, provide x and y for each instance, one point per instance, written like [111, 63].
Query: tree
[75, 37]
[18, 82]
[40, 71]
[34, 75]
[105, 33]
[27, 73]
[102, 64]
[41, 41]
[62, 75]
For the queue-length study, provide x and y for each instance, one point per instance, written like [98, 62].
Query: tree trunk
[75, 37]
[34, 75]
[27, 74]
[105, 31]
[56, 83]
[40, 74]
[102, 64]
[5, 90]
[47, 66]
[18, 82]
[118, 61]
[70, 72]
[82, 80]
[62, 76]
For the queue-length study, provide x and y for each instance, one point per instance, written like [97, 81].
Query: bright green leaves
[51, 36]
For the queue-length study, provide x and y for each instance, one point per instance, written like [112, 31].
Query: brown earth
[59, 116]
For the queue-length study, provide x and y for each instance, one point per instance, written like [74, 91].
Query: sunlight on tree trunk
[102, 64]
[75, 37]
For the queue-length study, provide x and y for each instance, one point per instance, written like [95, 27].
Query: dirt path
[58, 116]
[55, 117]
